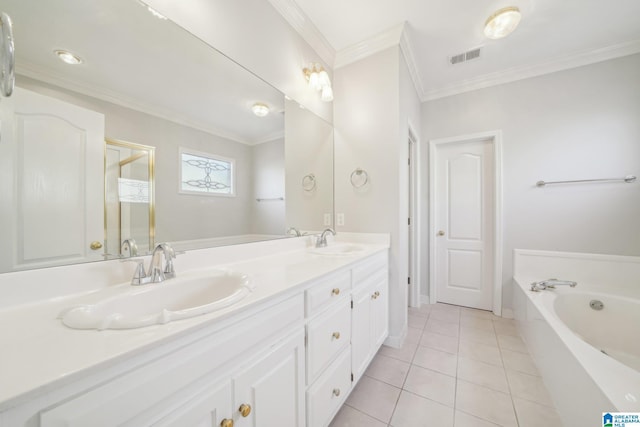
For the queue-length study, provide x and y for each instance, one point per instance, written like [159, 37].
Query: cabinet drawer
[327, 394]
[327, 335]
[327, 291]
[370, 266]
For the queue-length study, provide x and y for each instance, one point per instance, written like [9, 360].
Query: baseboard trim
[396, 341]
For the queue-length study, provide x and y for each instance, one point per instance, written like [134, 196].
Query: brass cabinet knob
[441, 233]
[95, 245]
[336, 335]
[336, 291]
[245, 410]
[226, 423]
[336, 392]
[375, 295]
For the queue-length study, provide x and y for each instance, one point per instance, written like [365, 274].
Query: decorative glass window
[133, 190]
[206, 174]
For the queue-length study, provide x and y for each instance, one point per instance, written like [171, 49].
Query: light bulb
[68, 57]
[260, 109]
[323, 79]
[327, 94]
[502, 23]
[314, 81]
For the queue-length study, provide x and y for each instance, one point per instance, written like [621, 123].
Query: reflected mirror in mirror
[143, 79]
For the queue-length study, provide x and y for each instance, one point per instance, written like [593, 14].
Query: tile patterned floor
[459, 367]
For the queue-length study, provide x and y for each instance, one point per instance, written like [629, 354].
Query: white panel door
[464, 223]
[53, 174]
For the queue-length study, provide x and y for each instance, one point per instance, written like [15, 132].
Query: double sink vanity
[262, 334]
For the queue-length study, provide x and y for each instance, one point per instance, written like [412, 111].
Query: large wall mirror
[152, 136]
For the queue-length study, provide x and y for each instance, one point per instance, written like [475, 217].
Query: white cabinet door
[380, 309]
[207, 408]
[271, 390]
[52, 182]
[360, 330]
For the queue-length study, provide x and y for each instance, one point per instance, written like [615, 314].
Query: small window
[206, 174]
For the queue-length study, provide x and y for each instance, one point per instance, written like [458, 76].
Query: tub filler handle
[551, 284]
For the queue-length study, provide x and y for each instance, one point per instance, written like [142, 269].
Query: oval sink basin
[339, 249]
[159, 303]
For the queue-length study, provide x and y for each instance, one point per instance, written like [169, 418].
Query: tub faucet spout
[551, 284]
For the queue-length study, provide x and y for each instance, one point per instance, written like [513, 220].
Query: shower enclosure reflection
[129, 198]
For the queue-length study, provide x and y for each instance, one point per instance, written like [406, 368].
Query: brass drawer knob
[336, 392]
[375, 295]
[336, 335]
[95, 245]
[245, 410]
[226, 423]
[336, 291]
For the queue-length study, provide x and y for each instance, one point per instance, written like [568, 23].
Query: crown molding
[547, 67]
[28, 70]
[301, 23]
[368, 47]
[407, 49]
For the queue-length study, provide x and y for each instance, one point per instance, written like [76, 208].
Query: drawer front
[327, 335]
[326, 396]
[327, 291]
[370, 266]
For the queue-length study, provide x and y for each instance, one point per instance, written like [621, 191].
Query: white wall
[575, 124]
[374, 101]
[255, 35]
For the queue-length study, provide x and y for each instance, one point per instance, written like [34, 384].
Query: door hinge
[409, 221]
[305, 340]
[352, 304]
[352, 377]
[408, 280]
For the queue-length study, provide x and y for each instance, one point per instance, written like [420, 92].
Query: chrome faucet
[322, 238]
[129, 248]
[157, 273]
[293, 232]
[551, 284]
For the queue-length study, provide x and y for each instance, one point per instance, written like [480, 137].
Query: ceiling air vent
[465, 56]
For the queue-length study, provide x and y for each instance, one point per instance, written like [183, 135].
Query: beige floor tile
[519, 362]
[465, 420]
[413, 335]
[439, 342]
[389, 370]
[485, 403]
[529, 387]
[404, 353]
[513, 343]
[350, 417]
[478, 335]
[416, 321]
[478, 351]
[445, 316]
[440, 327]
[374, 398]
[421, 312]
[416, 411]
[531, 414]
[472, 312]
[483, 374]
[432, 385]
[503, 328]
[436, 360]
[476, 322]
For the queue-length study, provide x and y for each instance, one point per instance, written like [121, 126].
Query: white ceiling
[553, 35]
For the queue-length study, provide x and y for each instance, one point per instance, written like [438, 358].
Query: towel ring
[359, 178]
[309, 182]
[7, 56]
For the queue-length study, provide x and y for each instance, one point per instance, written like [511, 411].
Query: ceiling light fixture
[319, 81]
[502, 22]
[68, 57]
[260, 109]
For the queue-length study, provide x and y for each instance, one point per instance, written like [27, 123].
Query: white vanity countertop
[39, 353]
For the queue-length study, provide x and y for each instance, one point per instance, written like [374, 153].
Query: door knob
[95, 245]
[441, 233]
[226, 423]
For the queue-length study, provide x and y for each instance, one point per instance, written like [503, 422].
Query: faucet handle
[139, 276]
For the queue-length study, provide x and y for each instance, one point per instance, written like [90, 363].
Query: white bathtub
[566, 337]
